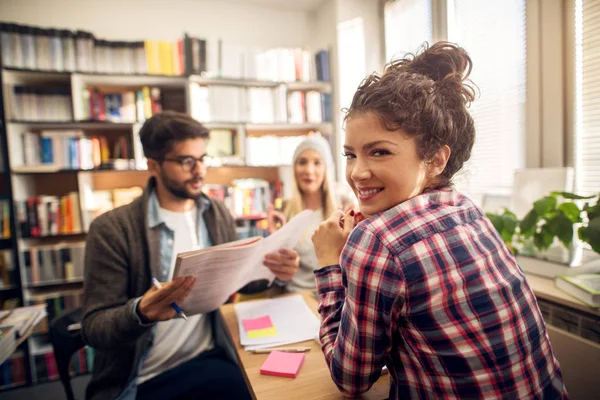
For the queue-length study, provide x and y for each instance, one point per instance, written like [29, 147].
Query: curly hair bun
[445, 63]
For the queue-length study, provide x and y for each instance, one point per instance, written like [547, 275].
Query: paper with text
[295, 322]
[222, 270]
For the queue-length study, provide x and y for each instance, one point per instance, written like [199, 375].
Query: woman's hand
[330, 237]
[283, 264]
[275, 219]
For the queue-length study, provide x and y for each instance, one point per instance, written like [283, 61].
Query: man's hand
[155, 305]
[330, 237]
[283, 264]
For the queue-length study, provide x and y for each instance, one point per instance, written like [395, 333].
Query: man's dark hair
[159, 133]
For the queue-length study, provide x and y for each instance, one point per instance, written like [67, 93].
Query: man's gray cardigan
[122, 255]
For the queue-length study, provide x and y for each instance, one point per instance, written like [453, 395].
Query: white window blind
[407, 26]
[493, 32]
[587, 108]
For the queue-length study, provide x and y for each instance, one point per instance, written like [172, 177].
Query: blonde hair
[295, 204]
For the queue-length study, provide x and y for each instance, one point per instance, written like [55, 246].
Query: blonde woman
[313, 189]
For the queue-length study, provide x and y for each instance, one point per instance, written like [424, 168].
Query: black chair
[65, 335]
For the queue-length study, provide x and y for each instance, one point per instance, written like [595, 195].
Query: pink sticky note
[257, 323]
[280, 363]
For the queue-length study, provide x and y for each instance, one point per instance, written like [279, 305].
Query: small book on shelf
[585, 287]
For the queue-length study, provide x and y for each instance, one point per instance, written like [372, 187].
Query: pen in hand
[179, 311]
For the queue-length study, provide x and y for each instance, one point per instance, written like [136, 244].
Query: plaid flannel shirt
[429, 289]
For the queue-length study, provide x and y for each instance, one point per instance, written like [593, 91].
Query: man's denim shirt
[155, 221]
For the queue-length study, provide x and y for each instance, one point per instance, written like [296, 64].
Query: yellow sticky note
[258, 333]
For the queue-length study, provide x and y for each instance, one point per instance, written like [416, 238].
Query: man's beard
[179, 190]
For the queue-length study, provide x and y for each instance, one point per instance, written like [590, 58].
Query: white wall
[165, 20]
[371, 13]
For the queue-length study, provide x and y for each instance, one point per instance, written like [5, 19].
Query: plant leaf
[509, 223]
[563, 228]
[545, 205]
[571, 211]
[593, 234]
[543, 239]
[571, 196]
[509, 226]
[496, 221]
[593, 212]
[528, 223]
[508, 212]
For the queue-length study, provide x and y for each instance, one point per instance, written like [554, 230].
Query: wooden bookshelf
[25, 181]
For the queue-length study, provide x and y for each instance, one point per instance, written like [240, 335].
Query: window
[494, 35]
[587, 96]
[351, 54]
[407, 25]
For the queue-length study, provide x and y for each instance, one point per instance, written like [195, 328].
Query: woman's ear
[437, 163]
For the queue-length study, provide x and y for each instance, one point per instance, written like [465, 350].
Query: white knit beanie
[319, 144]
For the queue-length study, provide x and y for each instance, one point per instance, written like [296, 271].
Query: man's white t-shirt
[177, 341]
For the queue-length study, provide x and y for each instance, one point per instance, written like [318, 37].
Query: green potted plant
[562, 216]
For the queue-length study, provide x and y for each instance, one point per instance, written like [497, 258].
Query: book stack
[56, 303]
[8, 273]
[4, 219]
[120, 107]
[42, 104]
[310, 106]
[235, 104]
[247, 198]
[12, 371]
[49, 215]
[585, 287]
[53, 264]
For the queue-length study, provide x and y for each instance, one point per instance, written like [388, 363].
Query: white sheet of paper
[290, 315]
[224, 270]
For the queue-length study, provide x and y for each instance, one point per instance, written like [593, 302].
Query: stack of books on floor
[584, 287]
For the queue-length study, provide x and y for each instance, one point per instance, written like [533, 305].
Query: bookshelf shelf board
[5, 244]
[240, 82]
[95, 125]
[13, 386]
[61, 236]
[43, 171]
[319, 86]
[52, 283]
[29, 76]
[108, 80]
[326, 128]
[36, 71]
[92, 75]
[223, 125]
[134, 79]
[8, 288]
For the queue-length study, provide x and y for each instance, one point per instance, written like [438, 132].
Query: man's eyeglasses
[188, 163]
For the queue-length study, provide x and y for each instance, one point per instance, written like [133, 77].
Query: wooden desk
[544, 288]
[313, 381]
